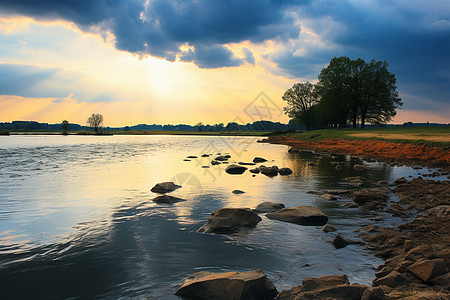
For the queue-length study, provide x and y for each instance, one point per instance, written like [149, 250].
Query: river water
[77, 220]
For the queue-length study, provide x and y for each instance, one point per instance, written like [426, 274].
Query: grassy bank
[431, 136]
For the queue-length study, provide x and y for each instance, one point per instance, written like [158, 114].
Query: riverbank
[370, 149]
[417, 253]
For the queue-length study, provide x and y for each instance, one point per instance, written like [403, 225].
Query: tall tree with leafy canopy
[333, 87]
[300, 98]
[379, 99]
[357, 91]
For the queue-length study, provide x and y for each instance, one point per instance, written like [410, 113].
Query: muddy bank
[417, 253]
[385, 151]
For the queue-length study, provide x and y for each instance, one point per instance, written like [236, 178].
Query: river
[77, 220]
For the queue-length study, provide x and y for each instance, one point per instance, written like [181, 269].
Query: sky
[175, 61]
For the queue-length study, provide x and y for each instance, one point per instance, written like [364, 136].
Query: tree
[355, 90]
[334, 92]
[300, 98]
[95, 121]
[379, 97]
[65, 126]
[199, 126]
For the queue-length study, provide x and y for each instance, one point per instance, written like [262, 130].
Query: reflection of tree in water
[324, 173]
[329, 177]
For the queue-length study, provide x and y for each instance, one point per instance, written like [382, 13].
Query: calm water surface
[77, 220]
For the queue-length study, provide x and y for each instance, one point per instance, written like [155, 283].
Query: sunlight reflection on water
[77, 210]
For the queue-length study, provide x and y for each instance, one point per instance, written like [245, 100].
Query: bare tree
[95, 121]
[199, 126]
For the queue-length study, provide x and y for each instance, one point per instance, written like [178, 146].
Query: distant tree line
[232, 126]
[36, 126]
[348, 92]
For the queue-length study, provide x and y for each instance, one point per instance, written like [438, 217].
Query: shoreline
[383, 151]
[416, 252]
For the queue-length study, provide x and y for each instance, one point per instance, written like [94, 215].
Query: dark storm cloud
[414, 41]
[160, 27]
[413, 37]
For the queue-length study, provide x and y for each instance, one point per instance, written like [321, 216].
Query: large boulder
[167, 199]
[325, 287]
[427, 269]
[235, 169]
[268, 207]
[165, 187]
[310, 284]
[230, 220]
[302, 215]
[227, 286]
[259, 160]
[373, 293]
[393, 279]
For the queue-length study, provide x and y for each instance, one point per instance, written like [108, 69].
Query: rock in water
[167, 199]
[255, 171]
[235, 169]
[242, 163]
[230, 220]
[236, 192]
[191, 156]
[269, 171]
[259, 160]
[165, 187]
[268, 207]
[228, 285]
[329, 197]
[215, 162]
[328, 228]
[222, 157]
[285, 171]
[341, 242]
[302, 215]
